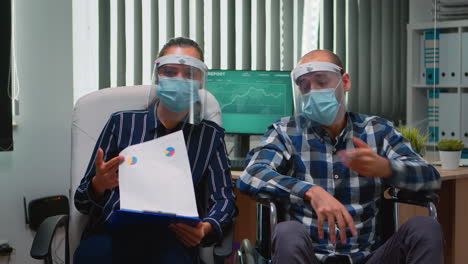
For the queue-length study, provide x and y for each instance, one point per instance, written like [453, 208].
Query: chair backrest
[89, 117]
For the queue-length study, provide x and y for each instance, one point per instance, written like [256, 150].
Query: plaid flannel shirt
[296, 154]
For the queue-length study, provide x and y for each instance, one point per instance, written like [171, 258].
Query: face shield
[178, 80]
[318, 92]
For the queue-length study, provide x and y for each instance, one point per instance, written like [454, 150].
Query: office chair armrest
[40, 248]
[224, 249]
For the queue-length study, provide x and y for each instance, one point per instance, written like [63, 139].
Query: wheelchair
[89, 116]
[272, 210]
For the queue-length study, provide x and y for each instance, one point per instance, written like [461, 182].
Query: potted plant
[450, 152]
[415, 137]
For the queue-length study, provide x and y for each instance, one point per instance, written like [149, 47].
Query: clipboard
[155, 184]
[122, 218]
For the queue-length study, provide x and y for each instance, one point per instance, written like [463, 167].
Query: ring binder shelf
[437, 81]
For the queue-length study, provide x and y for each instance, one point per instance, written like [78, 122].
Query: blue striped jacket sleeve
[409, 170]
[266, 170]
[85, 200]
[222, 206]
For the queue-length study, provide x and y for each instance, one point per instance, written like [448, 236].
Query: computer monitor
[251, 101]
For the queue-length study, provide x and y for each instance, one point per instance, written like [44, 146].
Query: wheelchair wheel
[246, 253]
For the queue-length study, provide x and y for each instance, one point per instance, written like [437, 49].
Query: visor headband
[314, 67]
[181, 59]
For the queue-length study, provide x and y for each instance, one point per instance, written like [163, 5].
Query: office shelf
[430, 86]
[453, 80]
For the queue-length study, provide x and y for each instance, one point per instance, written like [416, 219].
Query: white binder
[449, 44]
[422, 66]
[464, 112]
[449, 116]
[464, 55]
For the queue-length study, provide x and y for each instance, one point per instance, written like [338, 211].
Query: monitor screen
[251, 101]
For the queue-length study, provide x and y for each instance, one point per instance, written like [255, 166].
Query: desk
[453, 213]
[236, 175]
[452, 209]
[245, 221]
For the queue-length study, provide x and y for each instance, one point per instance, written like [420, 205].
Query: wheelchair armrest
[224, 249]
[264, 197]
[40, 248]
[428, 199]
[421, 198]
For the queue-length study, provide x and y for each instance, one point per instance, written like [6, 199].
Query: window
[6, 134]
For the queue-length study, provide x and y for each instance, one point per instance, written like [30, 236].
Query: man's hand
[106, 173]
[191, 236]
[365, 161]
[330, 209]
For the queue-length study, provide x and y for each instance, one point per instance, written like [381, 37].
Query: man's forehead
[317, 56]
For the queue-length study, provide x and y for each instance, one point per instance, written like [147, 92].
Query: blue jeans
[141, 244]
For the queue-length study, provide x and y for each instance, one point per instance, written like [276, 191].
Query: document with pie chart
[155, 183]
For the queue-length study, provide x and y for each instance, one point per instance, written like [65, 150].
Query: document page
[156, 177]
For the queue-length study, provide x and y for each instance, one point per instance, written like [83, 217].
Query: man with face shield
[179, 104]
[332, 165]
[320, 92]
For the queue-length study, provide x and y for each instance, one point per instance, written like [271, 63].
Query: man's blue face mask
[321, 106]
[178, 93]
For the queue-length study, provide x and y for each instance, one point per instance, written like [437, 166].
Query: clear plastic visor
[317, 80]
[315, 76]
[179, 70]
[182, 66]
[178, 84]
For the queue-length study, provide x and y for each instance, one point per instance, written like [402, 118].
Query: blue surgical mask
[178, 93]
[321, 106]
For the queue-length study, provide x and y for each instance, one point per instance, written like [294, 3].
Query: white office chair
[90, 114]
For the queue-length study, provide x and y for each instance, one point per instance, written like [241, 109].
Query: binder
[422, 57]
[449, 116]
[431, 56]
[433, 114]
[449, 58]
[464, 55]
[464, 112]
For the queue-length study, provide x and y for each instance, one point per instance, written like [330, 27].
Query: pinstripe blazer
[207, 155]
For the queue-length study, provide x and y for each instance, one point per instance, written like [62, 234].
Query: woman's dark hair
[181, 42]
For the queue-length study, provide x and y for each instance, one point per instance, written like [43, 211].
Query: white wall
[40, 163]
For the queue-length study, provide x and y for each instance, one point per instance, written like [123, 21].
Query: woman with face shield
[180, 78]
[177, 103]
